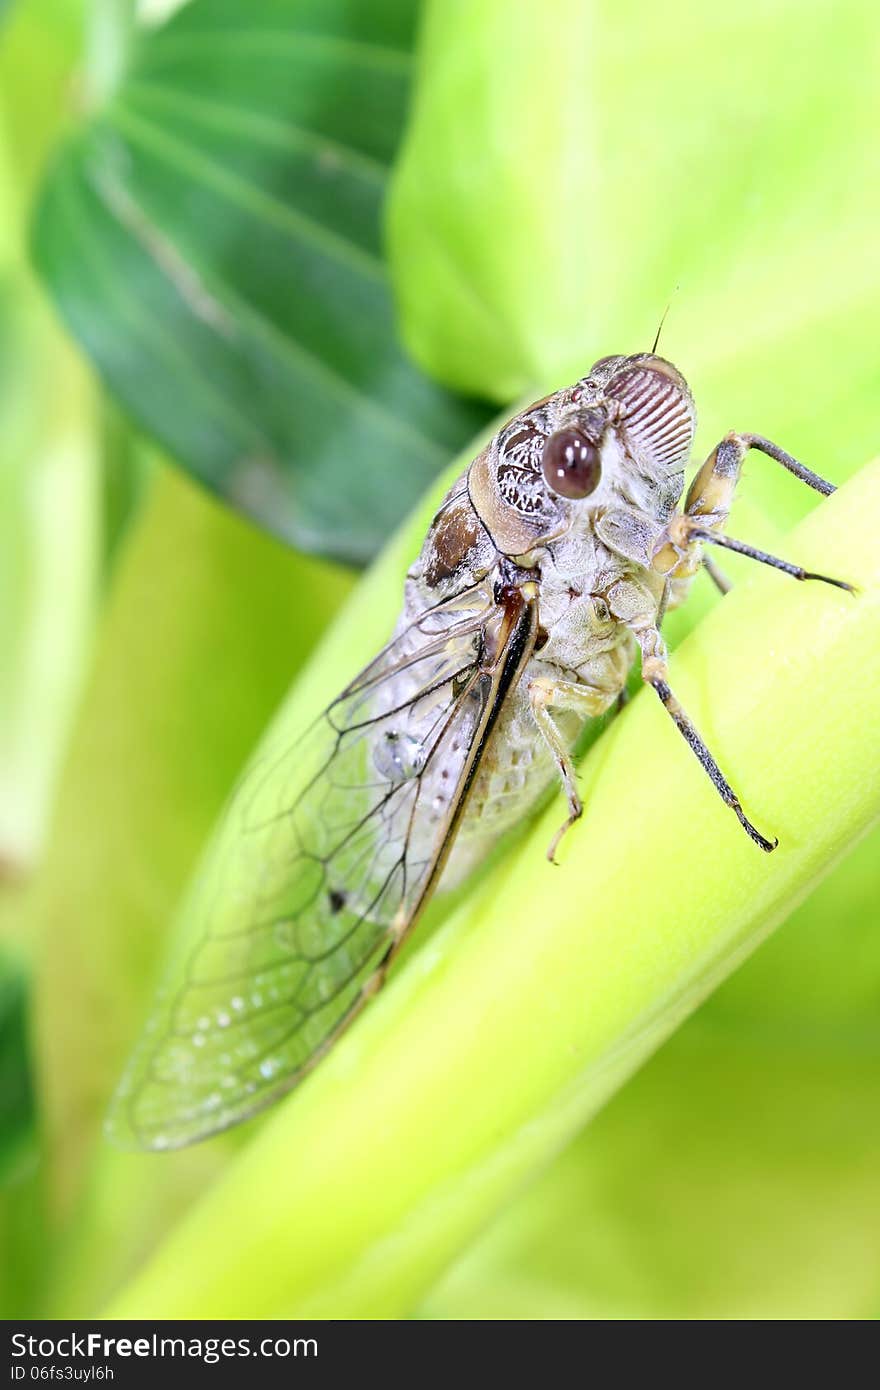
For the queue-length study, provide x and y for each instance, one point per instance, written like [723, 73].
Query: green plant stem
[513, 1024]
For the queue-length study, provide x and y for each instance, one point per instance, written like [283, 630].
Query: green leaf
[569, 165]
[25, 1248]
[16, 1091]
[212, 238]
[760, 1119]
[48, 568]
[546, 989]
[729, 1180]
[49, 531]
[494, 222]
[818, 978]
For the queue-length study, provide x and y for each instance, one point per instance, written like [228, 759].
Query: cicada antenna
[663, 319]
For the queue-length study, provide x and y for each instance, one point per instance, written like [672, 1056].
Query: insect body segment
[545, 572]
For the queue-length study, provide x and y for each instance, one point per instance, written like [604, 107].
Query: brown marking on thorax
[453, 541]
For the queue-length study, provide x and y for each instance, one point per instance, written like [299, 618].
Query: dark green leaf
[213, 239]
[16, 1094]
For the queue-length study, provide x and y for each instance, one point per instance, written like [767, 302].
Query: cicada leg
[655, 673]
[717, 575]
[679, 551]
[546, 694]
[678, 554]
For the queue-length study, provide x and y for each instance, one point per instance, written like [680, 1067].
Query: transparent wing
[328, 851]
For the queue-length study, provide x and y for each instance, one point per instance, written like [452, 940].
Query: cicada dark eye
[571, 464]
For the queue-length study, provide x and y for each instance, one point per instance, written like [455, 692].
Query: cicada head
[619, 436]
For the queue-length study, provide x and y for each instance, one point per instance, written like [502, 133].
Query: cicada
[545, 573]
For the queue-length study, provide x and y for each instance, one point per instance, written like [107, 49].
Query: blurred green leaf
[570, 168]
[728, 1180]
[49, 531]
[818, 979]
[22, 1227]
[494, 221]
[48, 570]
[26, 1249]
[213, 240]
[125, 473]
[40, 46]
[16, 1091]
[110, 33]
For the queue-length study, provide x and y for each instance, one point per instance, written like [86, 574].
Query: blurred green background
[265, 269]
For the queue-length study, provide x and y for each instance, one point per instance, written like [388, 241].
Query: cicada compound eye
[571, 464]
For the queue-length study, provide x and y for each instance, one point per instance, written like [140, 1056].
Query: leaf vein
[193, 163]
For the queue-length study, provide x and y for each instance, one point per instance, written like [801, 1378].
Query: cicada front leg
[656, 674]
[635, 605]
[679, 552]
[546, 694]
